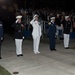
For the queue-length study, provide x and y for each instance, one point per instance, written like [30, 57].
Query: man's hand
[1, 38]
[16, 21]
[22, 25]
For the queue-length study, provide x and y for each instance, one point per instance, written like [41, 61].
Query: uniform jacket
[36, 28]
[18, 30]
[66, 27]
[51, 29]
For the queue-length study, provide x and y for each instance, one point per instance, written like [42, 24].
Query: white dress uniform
[36, 34]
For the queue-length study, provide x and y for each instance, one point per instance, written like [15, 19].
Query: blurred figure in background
[1, 36]
[59, 32]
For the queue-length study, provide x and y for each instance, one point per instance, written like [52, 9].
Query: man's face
[67, 19]
[58, 15]
[19, 20]
[36, 18]
[53, 20]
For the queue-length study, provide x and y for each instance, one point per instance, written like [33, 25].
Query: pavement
[60, 62]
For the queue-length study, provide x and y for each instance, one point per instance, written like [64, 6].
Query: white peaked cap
[66, 17]
[35, 16]
[19, 16]
[52, 18]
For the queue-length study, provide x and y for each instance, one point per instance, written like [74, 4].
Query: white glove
[16, 21]
[23, 37]
[1, 38]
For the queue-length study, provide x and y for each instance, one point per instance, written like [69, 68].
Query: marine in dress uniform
[1, 36]
[18, 35]
[36, 33]
[51, 34]
[66, 30]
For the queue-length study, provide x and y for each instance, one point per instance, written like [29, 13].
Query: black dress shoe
[51, 49]
[54, 49]
[18, 55]
[21, 54]
[66, 47]
[0, 57]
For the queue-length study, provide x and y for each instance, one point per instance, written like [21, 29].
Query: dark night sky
[66, 4]
[9, 6]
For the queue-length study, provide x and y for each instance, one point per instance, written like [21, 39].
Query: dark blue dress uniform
[18, 31]
[51, 34]
[1, 35]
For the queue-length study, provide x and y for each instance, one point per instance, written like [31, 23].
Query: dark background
[8, 9]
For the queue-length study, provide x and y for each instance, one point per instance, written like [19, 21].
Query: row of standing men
[37, 32]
